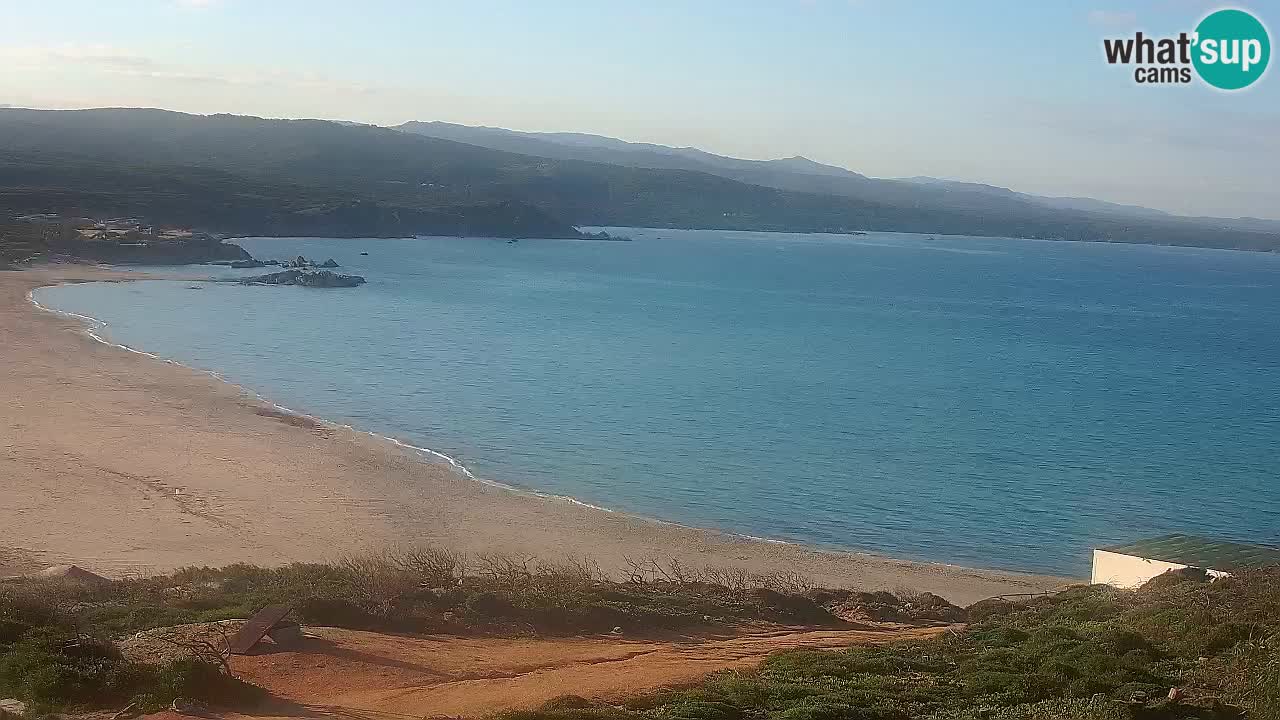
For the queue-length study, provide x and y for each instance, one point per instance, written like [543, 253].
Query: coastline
[127, 463]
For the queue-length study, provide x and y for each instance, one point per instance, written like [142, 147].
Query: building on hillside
[1128, 566]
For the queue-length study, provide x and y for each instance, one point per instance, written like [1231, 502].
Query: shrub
[488, 605]
[193, 679]
[51, 666]
[336, 612]
[1173, 578]
[990, 608]
[999, 636]
[22, 611]
[1120, 641]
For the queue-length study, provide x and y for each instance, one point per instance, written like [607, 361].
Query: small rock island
[306, 278]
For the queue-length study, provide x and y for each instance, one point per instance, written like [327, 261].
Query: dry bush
[787, 582]
[379, 581]
[735, 579]
[421, 588]
[906, 594]
[568, 573]
[382, 581]
[435, 567]
[517, 574]
[648, 570]
[502, 571]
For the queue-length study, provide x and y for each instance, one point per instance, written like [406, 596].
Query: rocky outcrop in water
[602, 235]
[305, 278]
[304, 262]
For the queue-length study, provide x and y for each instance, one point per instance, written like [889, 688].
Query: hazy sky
[1010, 93]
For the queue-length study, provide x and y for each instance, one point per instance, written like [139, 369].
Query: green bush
[192, 679]
[51, 667]
[488, 605]
[335, 612]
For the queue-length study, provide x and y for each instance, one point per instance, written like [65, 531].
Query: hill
[248, 175]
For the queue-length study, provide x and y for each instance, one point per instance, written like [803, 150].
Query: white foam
[757, 538]
[94, 327]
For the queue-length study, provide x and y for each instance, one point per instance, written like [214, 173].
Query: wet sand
[127, 464]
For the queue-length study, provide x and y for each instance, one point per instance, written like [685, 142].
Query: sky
[1010, 93]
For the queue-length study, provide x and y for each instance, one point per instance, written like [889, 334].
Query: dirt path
[370, 675]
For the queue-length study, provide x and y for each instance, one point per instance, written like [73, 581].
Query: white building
[1128, 566]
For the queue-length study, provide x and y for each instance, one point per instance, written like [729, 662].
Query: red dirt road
[370, 675]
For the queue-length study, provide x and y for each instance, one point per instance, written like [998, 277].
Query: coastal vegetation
[1180, 647]
[433, 590]
[24, 243]
[58, 636]
[245, 175]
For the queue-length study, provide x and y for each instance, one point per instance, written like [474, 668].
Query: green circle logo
[1232, 49]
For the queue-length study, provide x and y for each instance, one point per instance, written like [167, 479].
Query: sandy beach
[126, 464]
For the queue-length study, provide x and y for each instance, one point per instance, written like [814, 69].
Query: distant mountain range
[1065, 203]
[246, 175]
[600, 149]
[801, 174]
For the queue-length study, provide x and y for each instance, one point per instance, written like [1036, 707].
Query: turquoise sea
[991, 402]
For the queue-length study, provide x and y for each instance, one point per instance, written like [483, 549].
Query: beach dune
[127, 464]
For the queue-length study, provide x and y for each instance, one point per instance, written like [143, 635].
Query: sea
[987, 402]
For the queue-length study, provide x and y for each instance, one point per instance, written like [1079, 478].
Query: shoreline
[361, 490]
[435, 456]
[93, 324]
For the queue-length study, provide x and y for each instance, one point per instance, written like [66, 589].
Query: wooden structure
[269, 621]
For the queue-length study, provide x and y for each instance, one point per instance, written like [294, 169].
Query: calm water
[999, 403]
